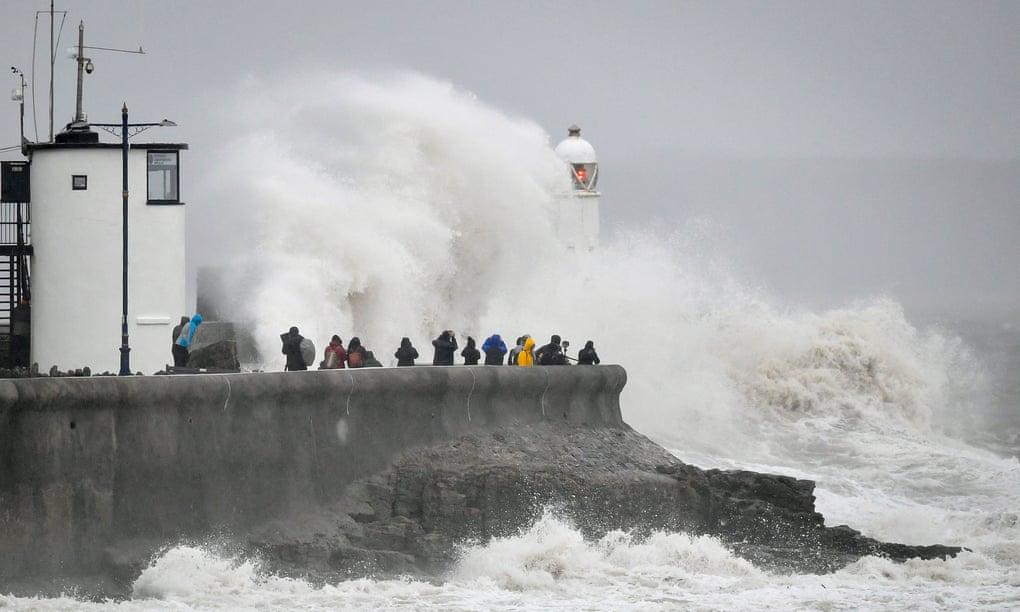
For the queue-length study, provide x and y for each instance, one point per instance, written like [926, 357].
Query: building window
[164, 179]
[79, 182]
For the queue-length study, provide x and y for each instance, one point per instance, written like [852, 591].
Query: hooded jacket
[551, 354]
[406, 354]
[588, 356]
[470, 353]
[340, 355]
[494, 349]
[292, 349]
[526, 358]
[187, 337]
[355, 353]
[515, 351]
[446, 346]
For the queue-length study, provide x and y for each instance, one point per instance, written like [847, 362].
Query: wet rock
[409, 519]
[221, 355]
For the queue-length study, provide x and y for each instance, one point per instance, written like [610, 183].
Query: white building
[77, 260]
[577, 213]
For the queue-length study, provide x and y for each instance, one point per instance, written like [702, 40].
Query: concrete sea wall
[87, 464]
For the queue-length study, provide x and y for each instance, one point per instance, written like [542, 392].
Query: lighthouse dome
[576, 150]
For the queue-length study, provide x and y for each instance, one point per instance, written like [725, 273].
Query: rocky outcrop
[220, 355]
[409, 518]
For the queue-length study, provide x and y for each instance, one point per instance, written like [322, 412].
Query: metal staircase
[15, 290]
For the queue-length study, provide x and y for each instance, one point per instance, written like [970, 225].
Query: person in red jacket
[335, 356]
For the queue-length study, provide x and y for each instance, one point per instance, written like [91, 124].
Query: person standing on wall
[406, 354]
[494, 349]
[552, 353]
[187, 335]
[355, 353]
[292, 349]
[526, 358]
[179, 352]
[516, 351]
[588, 356]
[471, 354]
[446, 346]
[335, 356]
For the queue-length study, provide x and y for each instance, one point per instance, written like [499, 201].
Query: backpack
[355, 359]
[307, 351]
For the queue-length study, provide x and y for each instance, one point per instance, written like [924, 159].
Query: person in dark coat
[355, 353]
[551, 354]
[179, 352]
[292, 349]
[494, 349]
[471, 354]
[406, 354]
[588, 356]
[516, 351]
[446, 346]
[371, 361]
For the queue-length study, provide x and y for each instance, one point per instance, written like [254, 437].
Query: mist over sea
[403, 205]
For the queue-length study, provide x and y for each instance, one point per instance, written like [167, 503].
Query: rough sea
[401, 206]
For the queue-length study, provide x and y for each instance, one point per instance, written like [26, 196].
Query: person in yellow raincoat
[526, 358]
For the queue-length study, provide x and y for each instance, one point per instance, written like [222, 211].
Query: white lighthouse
[577, 212]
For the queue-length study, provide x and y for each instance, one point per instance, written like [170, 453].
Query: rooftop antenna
[53, 57]
[85, 65]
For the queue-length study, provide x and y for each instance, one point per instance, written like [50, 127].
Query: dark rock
[221, 355]
[409, 519]
[126, 559]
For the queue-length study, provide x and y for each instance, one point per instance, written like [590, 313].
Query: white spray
[402, 206]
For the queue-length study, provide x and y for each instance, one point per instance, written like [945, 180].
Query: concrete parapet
[87, 463]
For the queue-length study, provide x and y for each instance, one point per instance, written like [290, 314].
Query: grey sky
[686, 103]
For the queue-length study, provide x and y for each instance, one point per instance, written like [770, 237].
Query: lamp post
[127, 130]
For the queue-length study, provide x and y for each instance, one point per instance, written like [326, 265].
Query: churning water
[402, 206]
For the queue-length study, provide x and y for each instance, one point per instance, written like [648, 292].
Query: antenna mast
[52, 60]
[85, 65]
[79, 116]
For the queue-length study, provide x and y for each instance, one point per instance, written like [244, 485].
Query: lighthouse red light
[582, 174]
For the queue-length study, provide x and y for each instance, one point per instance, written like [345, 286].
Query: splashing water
[403, 206]
[551, 566]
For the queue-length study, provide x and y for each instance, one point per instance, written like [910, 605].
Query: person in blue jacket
[187, 335]
[179, 352]
[494, 349]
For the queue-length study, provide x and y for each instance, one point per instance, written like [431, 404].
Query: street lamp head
[167, 123]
